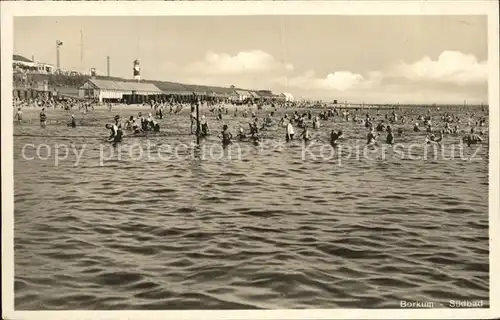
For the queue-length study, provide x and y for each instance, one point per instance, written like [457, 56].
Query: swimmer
[334, 136]
[136, 126]
[305, 134]
[19, 115]
[205, 131]
[368, 122]
[255, 140]
[316, 123]
[416, 128]
[129, 123]
[241, 135]
[253, 127]
[400, 132]
[381, 126]
[225, 136]
[447, 128]
[193, 119]
[289, 132]
[390, 137]
[116, 134]
[43, 118]
[371, 137]
[432, 138]
[155, 126]
[72, 124]
[472, 138]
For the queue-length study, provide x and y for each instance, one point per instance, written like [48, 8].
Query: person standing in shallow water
[334, 137]
[472, 138]
[390, 137]
[371, 137]
[226, 136]
[193, 119]
[19, 115]
[305, 136]
[289, 132]
[43, 118]
[205, 131]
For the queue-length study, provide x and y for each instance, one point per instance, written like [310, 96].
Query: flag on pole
[59, 43]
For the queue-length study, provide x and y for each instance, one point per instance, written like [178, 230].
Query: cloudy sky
[407, 59]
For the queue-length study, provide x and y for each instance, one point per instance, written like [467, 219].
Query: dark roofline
[164, 86]
[20, 58]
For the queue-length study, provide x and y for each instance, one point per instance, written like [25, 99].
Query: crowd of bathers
[375, 125]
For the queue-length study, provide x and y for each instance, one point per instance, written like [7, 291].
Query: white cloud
[338, 80]
[451, 67]
[425, 79]
[255, 61]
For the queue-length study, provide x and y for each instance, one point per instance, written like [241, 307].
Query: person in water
[193, 119]
[316, 124]
[472, 138]
[129, 123]
[371, 137]
[226, 136]
[205, 131]
[416, 128]
[116, 134]
[381, 126]
[43, 118]
[255, 140]
[289, 132]
[136, 126]
[305, 136]
[242, 135]
[19, 115]
[390, 137]
[154, 125]
[334, 137]
[429, 139]
[72, 124]
[254, 130]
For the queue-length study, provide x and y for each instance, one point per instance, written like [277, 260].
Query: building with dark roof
[265, 94]
[110, 90]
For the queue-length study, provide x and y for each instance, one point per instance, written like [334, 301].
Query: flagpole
[57, 55]
[81, 49]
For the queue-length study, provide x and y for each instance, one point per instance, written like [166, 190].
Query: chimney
[33, 57]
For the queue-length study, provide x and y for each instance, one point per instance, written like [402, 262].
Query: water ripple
[270, 231]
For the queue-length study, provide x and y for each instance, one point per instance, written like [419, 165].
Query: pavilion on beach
[110, 90]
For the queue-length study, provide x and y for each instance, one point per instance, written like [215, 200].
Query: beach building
[265, 95]
[242, 95]
[254, 96]
[280, 97]
[126, 91]
[22, 64]
[288, 97]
